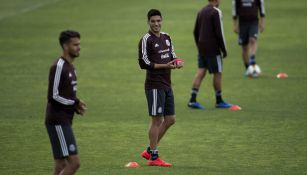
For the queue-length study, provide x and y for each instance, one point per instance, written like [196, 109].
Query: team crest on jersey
[167, 42]
[70, 75]
[156, 45]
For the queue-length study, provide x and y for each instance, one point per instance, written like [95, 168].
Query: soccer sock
[148, 149]
[194, 95]
[252, 60]
[246, 66]
[218, 95]
[154, 154]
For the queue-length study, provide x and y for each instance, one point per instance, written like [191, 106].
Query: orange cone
[282, 75]
[235, 108]
[132, 165]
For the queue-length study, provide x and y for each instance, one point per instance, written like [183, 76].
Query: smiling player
[157, 56]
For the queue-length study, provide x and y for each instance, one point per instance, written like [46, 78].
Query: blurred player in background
[157, 56]
[62, 104]
[210, 41]
[246, 25]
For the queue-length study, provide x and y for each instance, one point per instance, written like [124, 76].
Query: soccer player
[62, 104]
[246, 25]
[157, 56]
[210, 41]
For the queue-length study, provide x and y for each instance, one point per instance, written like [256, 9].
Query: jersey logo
[167, 42]
[70, 75]
[156, 45]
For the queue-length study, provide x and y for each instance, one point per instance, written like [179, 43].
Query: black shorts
[213, 64]
[62, 140]
[160, 102]
[247, 30]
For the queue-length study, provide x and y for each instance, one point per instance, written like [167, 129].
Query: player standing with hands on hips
[62, 104]
[246, 25]
[210, 41]
[157, 56]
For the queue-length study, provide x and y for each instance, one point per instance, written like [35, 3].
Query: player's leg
[58, 149]
[243, 41]
[253, 35]
[155, 101]
[69, 148]
[200, 75]
[245, 55]
[73, 164]
[59, 165]
[166, 124]
[216, 68]
[169, 113]
[153, 134]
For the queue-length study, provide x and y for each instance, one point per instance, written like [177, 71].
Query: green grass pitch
[269, 136]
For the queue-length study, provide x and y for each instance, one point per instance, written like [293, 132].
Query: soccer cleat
[195, 105]
[145, 155]
[159, 162]
[223, 105]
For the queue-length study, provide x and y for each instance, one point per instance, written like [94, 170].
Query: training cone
[132, 165]
[282, 75]
[235, 108]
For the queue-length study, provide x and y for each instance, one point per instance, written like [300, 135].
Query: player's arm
[218, 25]
[145, 63]
[174, 57]
[56, 76]
[235, 16]
[262, 15]
[196, 29]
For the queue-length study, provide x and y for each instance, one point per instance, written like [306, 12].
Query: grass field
[269, 136]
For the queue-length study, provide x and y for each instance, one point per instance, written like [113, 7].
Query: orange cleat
[159, 162]
[145, 155]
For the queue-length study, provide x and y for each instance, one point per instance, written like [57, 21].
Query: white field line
[27, 9]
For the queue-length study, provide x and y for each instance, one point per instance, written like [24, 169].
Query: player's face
[73, 47]
[155, 23]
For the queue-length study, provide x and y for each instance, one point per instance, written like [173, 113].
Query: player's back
[207, 40]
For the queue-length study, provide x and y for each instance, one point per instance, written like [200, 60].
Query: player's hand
[224, 54]
[81, 108]
[171, 64]
[261, 27]
[236, 29]
[179, 63]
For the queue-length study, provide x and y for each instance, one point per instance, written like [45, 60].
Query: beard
[73, 55]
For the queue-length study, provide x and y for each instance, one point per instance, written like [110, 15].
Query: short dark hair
[66, 35]
[153, 12]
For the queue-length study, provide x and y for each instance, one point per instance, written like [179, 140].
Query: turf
[269, 136]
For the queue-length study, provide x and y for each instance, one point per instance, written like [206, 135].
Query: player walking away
[246, 21]
[62, 104]
[210, 41]
[157, 56]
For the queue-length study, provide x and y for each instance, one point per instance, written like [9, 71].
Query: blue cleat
[223, 105]
[195, 105]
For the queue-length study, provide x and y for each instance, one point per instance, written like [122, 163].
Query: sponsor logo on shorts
[160, 110]
[72, 148]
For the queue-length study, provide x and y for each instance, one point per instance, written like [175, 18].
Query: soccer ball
[253, 71]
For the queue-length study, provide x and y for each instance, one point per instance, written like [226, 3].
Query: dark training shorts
[62, 140]
[213, 64]
[160, 102]
[247, 30]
